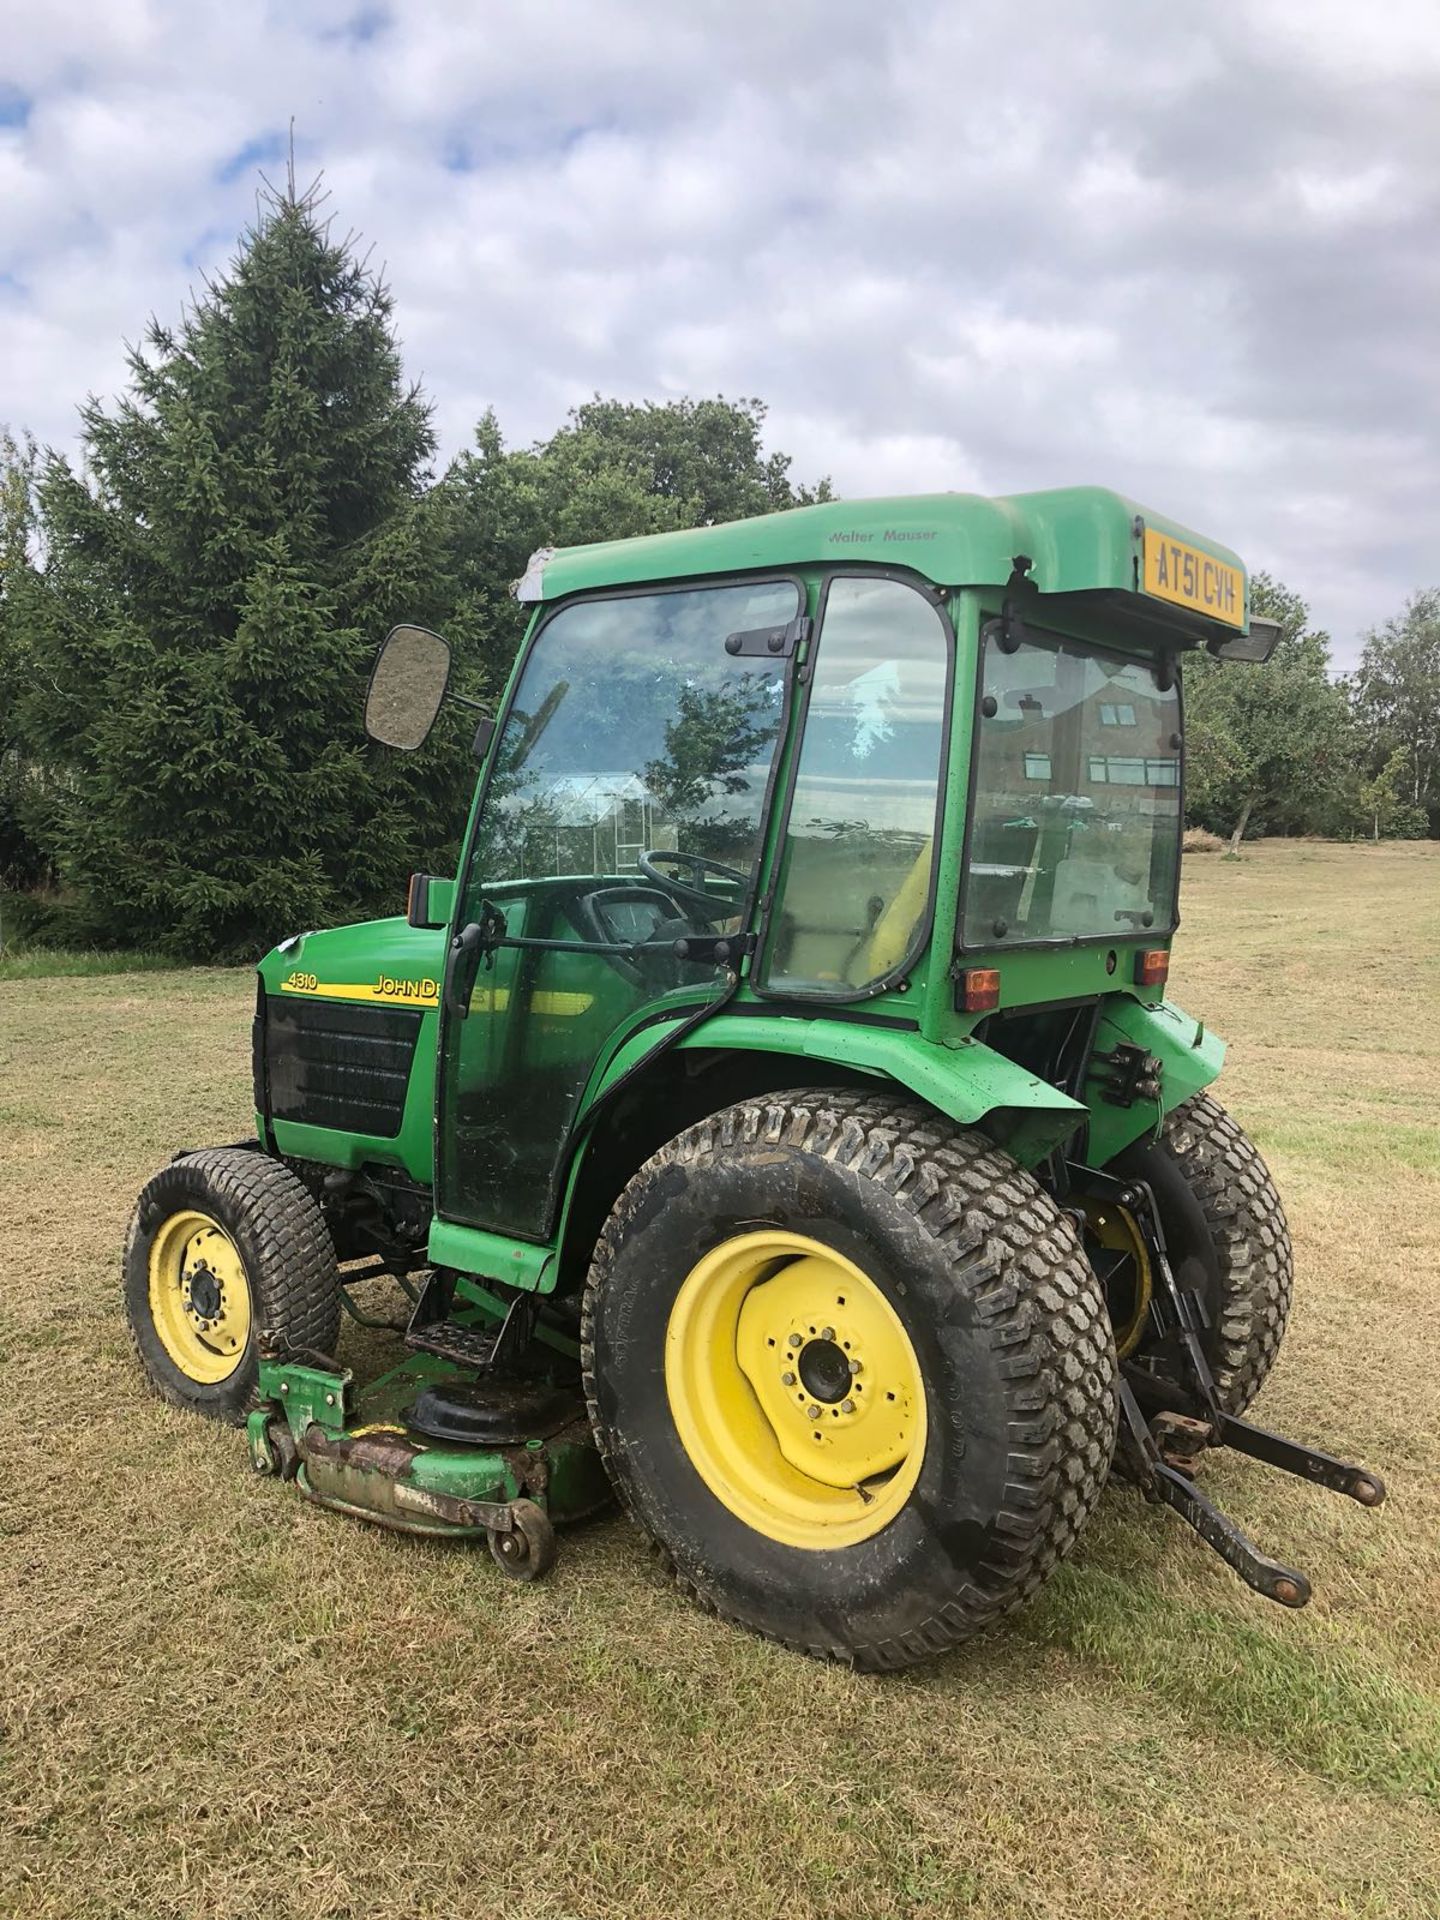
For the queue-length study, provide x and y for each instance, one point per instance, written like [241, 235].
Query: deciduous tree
[1397, 697]
[1267, 744]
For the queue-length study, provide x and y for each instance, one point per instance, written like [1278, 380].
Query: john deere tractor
[780, 1120]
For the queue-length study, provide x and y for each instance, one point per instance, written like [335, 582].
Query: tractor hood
[375, 963]
[345, 1039]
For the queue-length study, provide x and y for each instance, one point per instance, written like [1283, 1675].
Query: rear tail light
[1152, 966]
[980, 989]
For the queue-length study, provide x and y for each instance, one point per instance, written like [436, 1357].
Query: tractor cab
[781, 1105]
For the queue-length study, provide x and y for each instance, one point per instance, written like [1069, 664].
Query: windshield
[1075, 830]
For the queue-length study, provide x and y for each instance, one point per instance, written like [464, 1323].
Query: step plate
[470, 1346]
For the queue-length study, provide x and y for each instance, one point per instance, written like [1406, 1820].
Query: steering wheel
[694, 893]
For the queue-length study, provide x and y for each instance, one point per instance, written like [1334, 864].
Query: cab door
[623, 816]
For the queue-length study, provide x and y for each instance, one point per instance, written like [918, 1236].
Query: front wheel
[850, 1371]
[222, 1245]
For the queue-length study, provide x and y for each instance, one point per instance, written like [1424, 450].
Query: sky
[1188, 252]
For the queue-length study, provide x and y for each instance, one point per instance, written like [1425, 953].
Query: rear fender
[967, 1081]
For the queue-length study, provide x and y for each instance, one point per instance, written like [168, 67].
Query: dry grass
[220, 1702]
[1201, 840]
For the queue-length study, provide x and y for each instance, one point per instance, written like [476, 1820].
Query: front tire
[225, 1244]
[756, 1278]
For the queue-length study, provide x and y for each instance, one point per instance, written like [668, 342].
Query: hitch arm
[1306, 1463]
[1164, 1484]
[1168, 1424]
[1256, 1569]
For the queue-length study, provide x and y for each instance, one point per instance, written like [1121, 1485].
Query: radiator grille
[331, 1065]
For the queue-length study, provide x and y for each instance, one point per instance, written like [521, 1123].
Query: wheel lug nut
[854, 1366]
[827, 1333]
[787, 1379]
[847, 1406]
[794, 1340]
[813, 1411]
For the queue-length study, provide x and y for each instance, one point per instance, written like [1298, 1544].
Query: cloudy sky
[1188, 251]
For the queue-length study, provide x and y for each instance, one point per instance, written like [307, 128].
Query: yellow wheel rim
[199, 1297]
[795, 1390]
[1117, 1230]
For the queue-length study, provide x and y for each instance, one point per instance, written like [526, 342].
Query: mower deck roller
[779, 1121]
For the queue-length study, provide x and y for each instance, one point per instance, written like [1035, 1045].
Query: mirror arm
[464, 700]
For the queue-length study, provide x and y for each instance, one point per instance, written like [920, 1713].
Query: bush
[1201, 840]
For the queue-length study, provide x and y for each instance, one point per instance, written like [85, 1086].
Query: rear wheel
[850, 1371]
[1227, 1239]
[223, 1244]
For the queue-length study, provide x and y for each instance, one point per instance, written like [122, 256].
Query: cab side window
[860, 840]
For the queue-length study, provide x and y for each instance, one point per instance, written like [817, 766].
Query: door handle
[474, 942]
[463, 965]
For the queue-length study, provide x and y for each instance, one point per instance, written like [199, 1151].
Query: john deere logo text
[388, 989]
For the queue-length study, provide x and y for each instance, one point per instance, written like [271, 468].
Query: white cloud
[1190, 254]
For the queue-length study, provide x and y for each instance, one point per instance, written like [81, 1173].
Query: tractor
[778, 1121]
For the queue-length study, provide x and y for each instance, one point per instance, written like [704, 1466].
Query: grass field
[220, 1702]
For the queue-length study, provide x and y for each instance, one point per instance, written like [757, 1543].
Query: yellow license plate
[1181, 573]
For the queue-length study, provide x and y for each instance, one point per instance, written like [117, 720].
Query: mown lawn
[218, 1701]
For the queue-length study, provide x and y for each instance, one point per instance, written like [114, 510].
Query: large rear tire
[762, 1275]
[1227, 1238]
[224, 1245]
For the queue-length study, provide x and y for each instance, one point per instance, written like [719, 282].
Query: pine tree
[249, 522]
[22, 858]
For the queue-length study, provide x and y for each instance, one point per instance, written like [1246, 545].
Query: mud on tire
[1003, 1311]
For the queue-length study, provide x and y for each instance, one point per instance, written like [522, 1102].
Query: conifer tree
[22, 858]
[248, 522]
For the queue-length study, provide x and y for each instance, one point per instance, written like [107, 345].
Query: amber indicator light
[1152, 967]
[980, 989]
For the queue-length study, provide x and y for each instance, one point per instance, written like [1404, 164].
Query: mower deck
[432, 1447]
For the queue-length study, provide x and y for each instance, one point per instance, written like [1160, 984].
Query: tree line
[187, 619]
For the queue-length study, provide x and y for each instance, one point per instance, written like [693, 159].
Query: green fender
[966, 1080]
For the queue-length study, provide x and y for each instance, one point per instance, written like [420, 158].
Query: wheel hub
[204, 1293]
[825, 1370]
[1120, 1256]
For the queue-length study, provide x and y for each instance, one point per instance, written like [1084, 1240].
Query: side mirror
[407, 685]
[431, 901]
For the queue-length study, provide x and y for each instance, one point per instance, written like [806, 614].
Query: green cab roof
[1077, 540]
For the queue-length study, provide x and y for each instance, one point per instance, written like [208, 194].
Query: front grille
[330, 1065]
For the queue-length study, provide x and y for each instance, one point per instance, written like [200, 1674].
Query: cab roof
[1076, 539]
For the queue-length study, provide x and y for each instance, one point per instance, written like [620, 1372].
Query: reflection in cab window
[1076, 827]
[860, 844]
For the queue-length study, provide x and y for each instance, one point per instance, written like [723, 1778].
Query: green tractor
[780, 1121]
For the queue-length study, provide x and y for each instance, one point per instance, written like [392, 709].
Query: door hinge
[768, 643]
